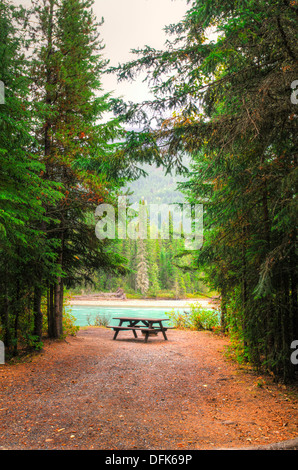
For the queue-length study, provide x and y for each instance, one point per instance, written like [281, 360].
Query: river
[88, 314]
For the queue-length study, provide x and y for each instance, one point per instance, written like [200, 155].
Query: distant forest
[156, 267]
[154, 271]
[157, 187]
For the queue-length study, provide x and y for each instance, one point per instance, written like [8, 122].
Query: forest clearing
[148, 160]
[89, 392]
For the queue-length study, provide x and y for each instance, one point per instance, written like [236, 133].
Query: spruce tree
[155, 286]
[142, 279]
[23, 193]
[67, 66]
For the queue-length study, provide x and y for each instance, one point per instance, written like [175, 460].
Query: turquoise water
[83, 313]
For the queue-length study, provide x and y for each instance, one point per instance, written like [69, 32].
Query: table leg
[117, 331]
[163, 331]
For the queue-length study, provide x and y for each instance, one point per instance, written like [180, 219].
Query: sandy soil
[90, 392]
[143, 303]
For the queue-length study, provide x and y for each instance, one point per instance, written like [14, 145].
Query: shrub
[33, 342]
[203, 319]
[197, 319]
[69, 326]
[101, 320]
[179, 320]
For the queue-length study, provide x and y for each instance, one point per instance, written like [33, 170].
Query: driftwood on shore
[119, 294]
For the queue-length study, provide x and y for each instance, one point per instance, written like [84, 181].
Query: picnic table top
[141, 318]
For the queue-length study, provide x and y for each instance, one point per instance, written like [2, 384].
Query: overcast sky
[132, 24]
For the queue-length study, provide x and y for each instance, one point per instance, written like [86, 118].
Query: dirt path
[90, 392]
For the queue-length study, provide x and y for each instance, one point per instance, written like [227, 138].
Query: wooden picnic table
[146, 325]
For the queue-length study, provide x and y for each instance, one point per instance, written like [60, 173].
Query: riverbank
[143, 303]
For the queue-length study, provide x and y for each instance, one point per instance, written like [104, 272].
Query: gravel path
[90, 392]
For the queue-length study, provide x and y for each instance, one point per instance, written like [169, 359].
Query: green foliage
[179, 319]
[168, 276]
[142, 280]
[58, 161]
[155, 286]
[198, 318]
[226, 102]
[69, 326]
[101, 320]
[33, 342]
[204, 319]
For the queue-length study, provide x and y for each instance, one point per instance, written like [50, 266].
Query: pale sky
[132, 24]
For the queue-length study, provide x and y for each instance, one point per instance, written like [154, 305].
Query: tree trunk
[50, 309]
[58, 312]
[5, 317]
[37, 313]
[294, 289]
[223, 318]
[244, 289]
[58, 295]
[16, 320]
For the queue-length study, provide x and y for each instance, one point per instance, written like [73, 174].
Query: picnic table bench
[147, 326]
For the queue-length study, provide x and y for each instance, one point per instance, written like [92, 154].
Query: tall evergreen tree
[142, 279]
[74, 143]
[23, 192]
[155, 285]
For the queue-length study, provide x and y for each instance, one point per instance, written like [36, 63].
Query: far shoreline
[144, 303]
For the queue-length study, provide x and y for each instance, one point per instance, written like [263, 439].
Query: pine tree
[67, 67]
[155, 286]
[142, 279]
[23, 192]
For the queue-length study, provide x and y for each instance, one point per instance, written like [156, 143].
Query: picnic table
[147, 326]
